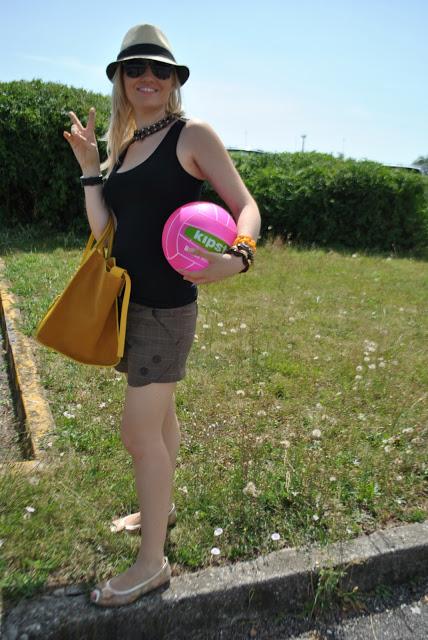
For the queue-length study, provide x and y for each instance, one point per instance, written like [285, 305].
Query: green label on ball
[206, 240]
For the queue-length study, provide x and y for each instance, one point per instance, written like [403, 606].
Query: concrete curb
[29, 397]
[279, 582]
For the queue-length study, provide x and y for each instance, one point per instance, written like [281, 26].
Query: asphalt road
[400, 613]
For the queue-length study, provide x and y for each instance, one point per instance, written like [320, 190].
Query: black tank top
[142, 199]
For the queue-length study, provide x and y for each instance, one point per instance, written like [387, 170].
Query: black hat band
[145, 50]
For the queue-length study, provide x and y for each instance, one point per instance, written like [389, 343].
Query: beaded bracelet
[239, 253]
[247, 240]
[242, 246]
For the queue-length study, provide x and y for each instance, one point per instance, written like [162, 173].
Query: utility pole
[303, 141]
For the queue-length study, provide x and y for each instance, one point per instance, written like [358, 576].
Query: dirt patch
[9, 423]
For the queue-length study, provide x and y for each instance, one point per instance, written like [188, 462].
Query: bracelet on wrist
[90, 181]
[245, 251]
[249, 252]
[239, 253]
[245, 239]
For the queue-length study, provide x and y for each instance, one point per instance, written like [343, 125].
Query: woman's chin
[147, 103]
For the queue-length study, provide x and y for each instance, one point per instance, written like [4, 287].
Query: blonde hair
[122, 122]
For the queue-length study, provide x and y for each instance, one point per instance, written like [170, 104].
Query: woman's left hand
[220, 265]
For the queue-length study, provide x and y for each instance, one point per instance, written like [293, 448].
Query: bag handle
[124, 315]
[126, 283]
[107, 233]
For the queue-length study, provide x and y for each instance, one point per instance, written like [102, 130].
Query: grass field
[304, 414]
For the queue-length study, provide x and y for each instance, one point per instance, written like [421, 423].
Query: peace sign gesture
[84, 143]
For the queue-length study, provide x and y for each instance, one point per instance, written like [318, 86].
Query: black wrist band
[234, 251]
[91, 180]
[247, 249]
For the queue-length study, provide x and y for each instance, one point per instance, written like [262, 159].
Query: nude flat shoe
[104, 595]
[120, 524]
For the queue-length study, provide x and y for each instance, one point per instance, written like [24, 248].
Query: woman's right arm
[84, 145]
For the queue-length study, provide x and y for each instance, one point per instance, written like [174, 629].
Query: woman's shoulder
[198, 130]
[193, 123]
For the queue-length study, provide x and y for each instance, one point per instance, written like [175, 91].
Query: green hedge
[317, 198]
[39, 177]
[308, 197]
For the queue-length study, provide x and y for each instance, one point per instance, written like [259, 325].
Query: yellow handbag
[83, 323]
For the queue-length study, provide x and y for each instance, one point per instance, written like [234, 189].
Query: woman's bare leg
[172, 437]
[144, 414]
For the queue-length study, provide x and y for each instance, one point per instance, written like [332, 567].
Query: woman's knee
[139, 447]
[139, 438]
[143, 417]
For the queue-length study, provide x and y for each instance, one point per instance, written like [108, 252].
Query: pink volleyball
[201, 225]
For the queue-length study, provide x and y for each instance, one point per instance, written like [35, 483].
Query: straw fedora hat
[147, 41]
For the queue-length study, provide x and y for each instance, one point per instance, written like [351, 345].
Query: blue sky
[351, 75]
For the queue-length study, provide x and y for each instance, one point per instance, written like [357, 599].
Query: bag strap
[125, 304]
[92, 243]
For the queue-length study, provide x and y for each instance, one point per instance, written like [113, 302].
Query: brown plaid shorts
[157, 343]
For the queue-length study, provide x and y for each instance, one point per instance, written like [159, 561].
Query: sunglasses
[136, 68]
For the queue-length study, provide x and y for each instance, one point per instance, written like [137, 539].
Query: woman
[151, 172]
